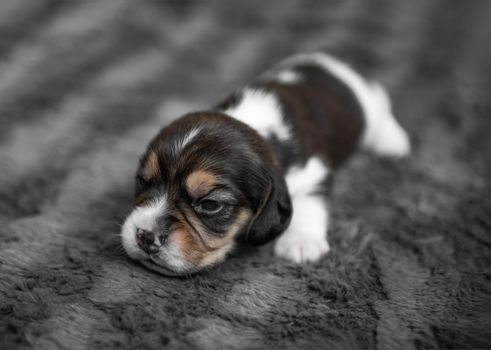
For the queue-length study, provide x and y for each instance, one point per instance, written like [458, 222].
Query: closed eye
[141, 179]
[208, 207]
[141, 184]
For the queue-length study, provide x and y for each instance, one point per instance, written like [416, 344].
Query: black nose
[146, 241]
[145, 236]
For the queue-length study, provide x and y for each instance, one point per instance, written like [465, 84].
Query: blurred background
[84, 85]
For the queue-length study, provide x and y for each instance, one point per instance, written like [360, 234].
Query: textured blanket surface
[85, 84]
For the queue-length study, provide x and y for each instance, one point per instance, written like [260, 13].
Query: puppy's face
[204, 181]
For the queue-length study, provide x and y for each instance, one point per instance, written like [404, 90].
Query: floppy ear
[273, 214]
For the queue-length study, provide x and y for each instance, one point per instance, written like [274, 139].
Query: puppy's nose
[145, 236]
[146, 241]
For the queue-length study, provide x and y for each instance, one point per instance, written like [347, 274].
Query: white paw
[301, 249]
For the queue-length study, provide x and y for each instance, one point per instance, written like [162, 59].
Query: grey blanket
[85, 84]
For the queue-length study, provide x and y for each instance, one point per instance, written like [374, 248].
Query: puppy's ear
[273, 214]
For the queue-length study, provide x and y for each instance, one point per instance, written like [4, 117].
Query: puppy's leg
[383, 135]
[306, 237]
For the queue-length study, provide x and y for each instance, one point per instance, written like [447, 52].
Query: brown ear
[273, 214]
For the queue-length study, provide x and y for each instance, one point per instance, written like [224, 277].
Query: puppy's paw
[301, 249]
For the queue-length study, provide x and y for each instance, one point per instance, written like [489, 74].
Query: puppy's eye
[208, 206]
[141, 184]
[140, 180]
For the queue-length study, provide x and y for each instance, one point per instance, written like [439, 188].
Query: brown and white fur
[256, 167]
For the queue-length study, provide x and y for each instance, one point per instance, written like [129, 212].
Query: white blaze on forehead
[144, 217]
[182, 142]
[262, 112]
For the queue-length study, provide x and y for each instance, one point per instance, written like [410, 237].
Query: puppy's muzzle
[148, 241]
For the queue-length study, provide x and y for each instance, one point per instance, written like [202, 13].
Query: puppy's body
[295, 124]
[315, 111]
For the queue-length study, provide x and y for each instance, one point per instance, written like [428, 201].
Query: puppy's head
[205, 180]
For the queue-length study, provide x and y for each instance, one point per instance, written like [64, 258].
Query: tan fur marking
[242, 219]
[200, 182]
[151, 168]
[215, 249]
[188, 245]
[224, 244]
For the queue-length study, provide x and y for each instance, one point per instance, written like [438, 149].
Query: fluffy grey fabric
[84, 85]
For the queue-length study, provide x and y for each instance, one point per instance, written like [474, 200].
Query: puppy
[253, 168]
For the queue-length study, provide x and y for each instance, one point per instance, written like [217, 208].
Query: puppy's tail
[383, 135]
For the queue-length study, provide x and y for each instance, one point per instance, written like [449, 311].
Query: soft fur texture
[83, 83]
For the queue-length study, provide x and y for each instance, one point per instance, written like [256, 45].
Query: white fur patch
[288, 77]
[171, 257]
[382, 133]
[306, 179]
[145, 218]
[306, 237]
[181, 143]
[169, 260]
[261, 111]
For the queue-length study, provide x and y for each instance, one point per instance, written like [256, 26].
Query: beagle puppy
[255, 167]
